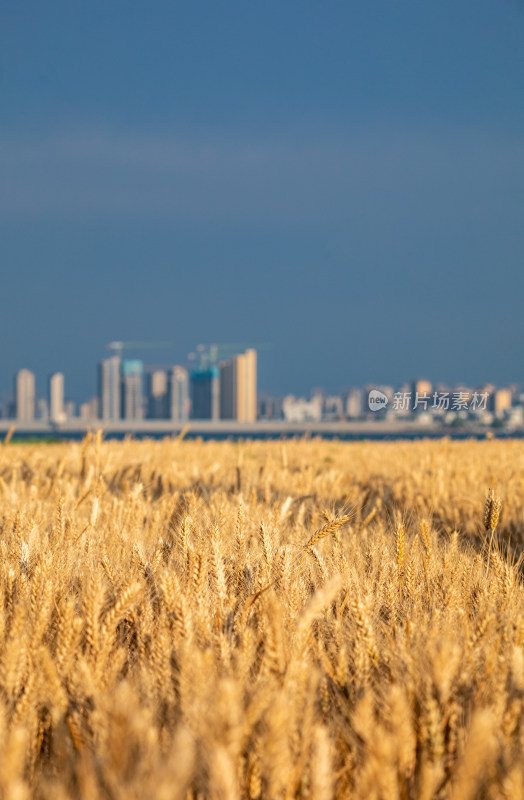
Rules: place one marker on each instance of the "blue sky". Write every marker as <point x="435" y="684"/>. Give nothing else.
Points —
<point x="343" y="180"/>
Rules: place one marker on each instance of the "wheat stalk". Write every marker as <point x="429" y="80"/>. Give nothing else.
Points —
<point x="235" y="660"/>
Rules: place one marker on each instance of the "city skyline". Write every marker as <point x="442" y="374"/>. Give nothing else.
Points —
<point x="228" y="389"/>
<point x="129" y="390"/>
<point x="203" y="353"/>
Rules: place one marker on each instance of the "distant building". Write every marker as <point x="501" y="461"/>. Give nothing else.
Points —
<point x="333" y="407"/>
<point x="514" y="416"/>
<point x="157" y="395"/>
<point x="42" y="410"/>
<point x="168" y="394"/>
<point x="269" y="408"/>
<point x="354" y="403"/>
<point x="56" y="398"/>
<point x="227" y="390"/>
<point x="89" y="410"/>
<point x="238" y="387"/>
<point x="178" y="394"/>
<point x="94" y="407"/>
<point x="421" y="398"/>
<point x="205" y="393"/>
<point x="25" y="395"/>
<point x="248" y="405"/>
<point x="132" y="392"/>
<point x="500" y="401"/>
<point x="109" y="393"/>
<point x="301" y="410"/>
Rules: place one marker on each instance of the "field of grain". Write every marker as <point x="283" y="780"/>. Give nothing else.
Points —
<point x="304" y="619"/>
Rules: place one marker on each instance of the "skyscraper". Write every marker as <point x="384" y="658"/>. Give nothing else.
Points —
<point x="227" y="390"/>
<point x="132" y="393"/>
<point x="56" y="398"/>
<point x="238" y="387"/>
<point x="205" y="393"/>
<point x="157" y="395"/>
<point x="25" y="395"/>
<point x="109" y="398"/>
<point x="178" y="394"/>
<point x="250" y="386"/>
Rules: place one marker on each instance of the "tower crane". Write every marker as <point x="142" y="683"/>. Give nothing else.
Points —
<point x="210" y="354"/>
<point x="118" y="347"/>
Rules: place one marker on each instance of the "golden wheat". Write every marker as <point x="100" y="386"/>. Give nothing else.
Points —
<point x="185" y="620"/>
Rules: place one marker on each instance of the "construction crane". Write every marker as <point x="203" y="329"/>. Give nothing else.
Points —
<point x="210" y="354"/>
<point x="119" y="347"/>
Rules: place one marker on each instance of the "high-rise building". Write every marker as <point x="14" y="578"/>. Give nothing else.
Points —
<point x="227" y="390"/>
<point x="500" y="400"/>
<point x="109" y="395"/>
<point x="157" y="395"/>
<point x="355" y="403"/>
<point x="132" y="395"/>
<point x="205" y="393"/>
<point x="250" y="386"/>
<point x="56" y="398"/>
<point x="25" y="395"/>
<point x="238" y="387"/>
<point x="178" y="394"/>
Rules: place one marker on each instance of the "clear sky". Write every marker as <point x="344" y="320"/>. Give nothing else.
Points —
<point x="342" y="180"/>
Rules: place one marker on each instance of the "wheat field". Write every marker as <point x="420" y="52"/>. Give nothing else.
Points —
<point x="301" y="619"/>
